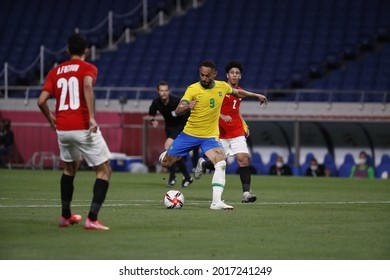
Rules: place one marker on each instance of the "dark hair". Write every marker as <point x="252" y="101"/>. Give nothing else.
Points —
<point x="77" y="44"/>
<point x="233" y="64"/>
<point x="162" y="83"/>
<point x="363" y="153"/>
<point x="208" y="63"/>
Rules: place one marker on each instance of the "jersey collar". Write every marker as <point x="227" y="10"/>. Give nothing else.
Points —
<point x="208" y="88"/>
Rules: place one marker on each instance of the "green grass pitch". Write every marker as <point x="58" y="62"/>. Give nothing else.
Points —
<point x="293" y="218"/>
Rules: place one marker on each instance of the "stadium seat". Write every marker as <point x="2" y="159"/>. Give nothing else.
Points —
<point x="291" y="161"/>
<point x="384" y="166"/>
<point x="330" y="164"/>
<point x="346" y="166"/>
<point x="306" y="164"/>
<point x="350" y="52"/>
<point x="232" y="166"/>
<point x="271" y="161"/>
<point x="257" y="162"/>
<point x="370" y="161"/>
<point x="345" y="170"/>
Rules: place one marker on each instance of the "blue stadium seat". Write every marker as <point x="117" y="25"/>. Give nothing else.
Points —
<point x="271" y="161"/>
<point x="384" y="166"/>
<point x="306" y="164"/>
<point x="291" y="161"/>
<point x="346" y="166"/>
<point x="330" y="164"/>
<point x="232" y="168"/>
<point x="257" y="162"/>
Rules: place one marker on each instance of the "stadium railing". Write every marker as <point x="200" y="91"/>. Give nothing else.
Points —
<point x="105" y="36"/>
<point x="143" y="93"/>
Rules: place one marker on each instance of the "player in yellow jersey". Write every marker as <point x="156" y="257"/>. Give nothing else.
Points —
<point x="204" y="99"/>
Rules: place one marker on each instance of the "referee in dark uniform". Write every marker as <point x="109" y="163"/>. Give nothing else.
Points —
<point x="166" y="105"/>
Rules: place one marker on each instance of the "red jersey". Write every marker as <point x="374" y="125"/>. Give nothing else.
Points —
<point x="65" y="83"/>
<point x="235" y="128"/>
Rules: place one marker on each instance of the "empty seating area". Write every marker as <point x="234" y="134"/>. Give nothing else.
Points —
<point x="28" y="25"/>
<point x="277" y="41"/>
<point x="319" y="44"/>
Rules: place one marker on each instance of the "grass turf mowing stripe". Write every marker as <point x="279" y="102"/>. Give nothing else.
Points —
<point x="149" y="202"/>
<point x="295" y="218"/>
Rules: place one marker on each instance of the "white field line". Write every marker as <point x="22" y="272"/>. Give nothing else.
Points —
<point x="32" y="203"/>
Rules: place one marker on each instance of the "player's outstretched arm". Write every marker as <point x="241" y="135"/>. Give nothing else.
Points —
<point x="244" y="93"/>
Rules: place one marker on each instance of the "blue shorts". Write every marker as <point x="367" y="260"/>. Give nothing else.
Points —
<point x="185" y="143"/>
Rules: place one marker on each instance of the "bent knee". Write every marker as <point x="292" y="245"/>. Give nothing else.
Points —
<point x="243" y="163"/>
<point x="220" y="164"/>
<point x="104" y="171"/>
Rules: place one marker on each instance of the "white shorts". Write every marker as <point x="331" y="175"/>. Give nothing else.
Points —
<point x="76" y="143"/>
<point x="233" y="146"/>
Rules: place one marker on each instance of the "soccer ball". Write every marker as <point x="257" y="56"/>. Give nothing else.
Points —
<point x="173" y="199"/>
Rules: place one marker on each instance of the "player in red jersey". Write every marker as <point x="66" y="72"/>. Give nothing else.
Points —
<point x="71" y="84"/>
<point x="232" y="133"/>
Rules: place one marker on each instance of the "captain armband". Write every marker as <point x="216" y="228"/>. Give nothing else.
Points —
<point x="246" y="127"/>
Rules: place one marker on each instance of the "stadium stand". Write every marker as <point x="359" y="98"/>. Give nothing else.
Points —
<point x="342" y="46"/>
<point x="24" y="24"/>
<point x="279" y="42"/>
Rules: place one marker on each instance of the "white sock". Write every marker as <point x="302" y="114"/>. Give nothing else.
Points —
<point x="217" y="194"/>
<point x="218" y="181"/>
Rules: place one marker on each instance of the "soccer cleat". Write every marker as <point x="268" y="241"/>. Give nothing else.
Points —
<point x="187" y="183"/>
<point x="74" y="219"/>
<point x="94" y="225"/>
<point x="199" y="169"/>
<point x="161" y="157"/>
<point x="248" y="197"/>
<point x="220" y="206"/>
<point x="171" y="183"/>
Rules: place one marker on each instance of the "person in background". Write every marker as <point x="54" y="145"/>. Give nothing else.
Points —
<point x="362" y="169"/>
<point x="166" y="104"/>
<point x="6" y="136"/>
<point x="280" y="168"/>
<point x="316" y="170"/>
<point x="6" y="139"/>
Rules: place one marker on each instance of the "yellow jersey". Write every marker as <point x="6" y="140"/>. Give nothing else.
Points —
<point x="203" y="121"/>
